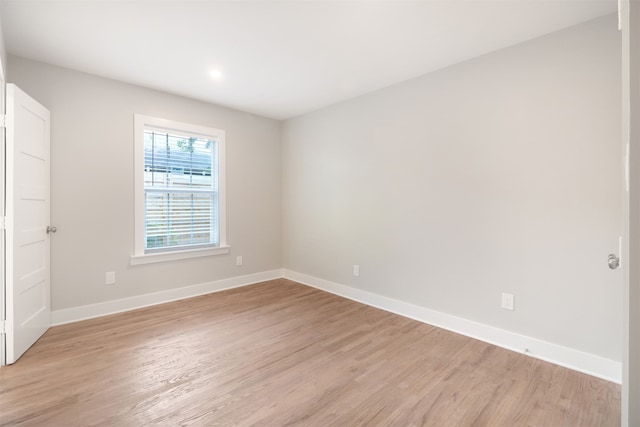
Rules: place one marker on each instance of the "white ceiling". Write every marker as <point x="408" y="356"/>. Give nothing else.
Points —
<point x="279" y="59"/>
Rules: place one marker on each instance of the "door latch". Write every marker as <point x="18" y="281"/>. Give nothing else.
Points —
<point x="614" y="261"/>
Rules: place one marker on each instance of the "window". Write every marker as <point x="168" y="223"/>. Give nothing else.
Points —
<point x="179" y="190"/>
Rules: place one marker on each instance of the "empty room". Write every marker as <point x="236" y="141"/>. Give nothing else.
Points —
<point x="320" y="213"/>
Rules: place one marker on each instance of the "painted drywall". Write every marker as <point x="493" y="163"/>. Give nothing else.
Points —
<point x="499" y="174"/>
<point x="92" y="185"/>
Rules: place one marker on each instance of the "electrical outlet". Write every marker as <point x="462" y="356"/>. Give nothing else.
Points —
<point x="110" y="278"/>
<point x="356" y="270"/>
<point x="508" y="301"/>
<point x="239" y="260"/>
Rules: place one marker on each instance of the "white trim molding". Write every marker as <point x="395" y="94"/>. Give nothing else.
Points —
<point x="75" y="314"/>
<point x="217" y="189"/>
<point x="177" y="255"/>
<point x="577" y="360"/>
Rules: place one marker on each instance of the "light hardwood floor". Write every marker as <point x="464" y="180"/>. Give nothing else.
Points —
<point x="278" y="354"/>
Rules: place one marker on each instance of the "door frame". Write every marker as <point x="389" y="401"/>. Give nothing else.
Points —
<point x="3" y="307"/>
<point x="630" y="26"/>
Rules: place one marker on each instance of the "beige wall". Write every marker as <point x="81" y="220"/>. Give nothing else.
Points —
<point x="500" y="174"/>
<point x="92" y="185"/>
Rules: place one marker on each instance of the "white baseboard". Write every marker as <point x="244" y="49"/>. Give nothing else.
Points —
<point x="587" y="363"/>
<point x="591" y="364"/>
<point x="69" y="315"/>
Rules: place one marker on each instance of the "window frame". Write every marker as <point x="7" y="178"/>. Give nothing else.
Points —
<point x="142" y="122"/>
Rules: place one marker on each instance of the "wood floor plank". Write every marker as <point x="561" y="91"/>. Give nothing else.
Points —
<point x="283" y="354"/>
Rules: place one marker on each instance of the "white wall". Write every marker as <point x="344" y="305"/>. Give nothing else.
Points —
<point x="500" y="174"/>
<point x="92" y="185"/>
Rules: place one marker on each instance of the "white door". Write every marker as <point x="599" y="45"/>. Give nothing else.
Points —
<point x="28" y="283"/>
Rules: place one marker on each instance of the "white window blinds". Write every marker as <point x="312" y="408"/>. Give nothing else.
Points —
<point x="181" y="204"/>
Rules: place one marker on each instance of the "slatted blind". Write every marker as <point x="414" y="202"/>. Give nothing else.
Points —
<point x="180" y="191"/>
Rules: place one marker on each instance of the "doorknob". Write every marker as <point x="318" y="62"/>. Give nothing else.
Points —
<point x="614" y="261"/>
<point x="51" y="229"/>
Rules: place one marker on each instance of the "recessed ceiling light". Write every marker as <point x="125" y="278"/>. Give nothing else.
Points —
<point x="215" y="74"/>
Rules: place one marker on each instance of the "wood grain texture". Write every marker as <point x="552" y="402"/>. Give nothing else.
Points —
<point x="283" y="354"/>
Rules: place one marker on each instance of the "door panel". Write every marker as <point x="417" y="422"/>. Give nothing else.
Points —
<point x="28" y="283"/>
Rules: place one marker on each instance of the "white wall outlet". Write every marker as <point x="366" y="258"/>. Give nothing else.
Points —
<point x="110" y="278"/>
<point x="508" y="301"/>
<point x="356" y="270"/>
<point x="239" y="260"/>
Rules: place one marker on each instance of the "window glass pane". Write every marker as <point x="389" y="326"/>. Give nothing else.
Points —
<point x="179" y="161"/>
<point x="180" y="182"/>
<point x="179" y="219"/>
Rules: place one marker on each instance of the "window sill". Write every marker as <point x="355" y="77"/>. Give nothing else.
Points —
<point x="177" y="255"/>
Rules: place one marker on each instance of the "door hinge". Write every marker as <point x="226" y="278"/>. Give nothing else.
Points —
<point x="620" y="6"/>
<point x="5" y="326"/>
<point x="626" y="168"/>
<point x="3" y="120"/>
<point x="3" y="222"/>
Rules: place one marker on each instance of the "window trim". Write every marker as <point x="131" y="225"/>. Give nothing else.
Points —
<point x="139" y="256"/>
